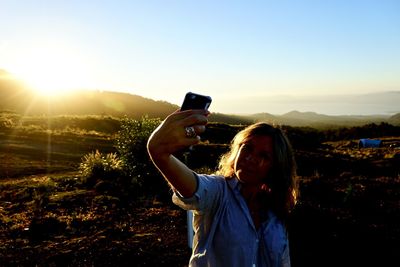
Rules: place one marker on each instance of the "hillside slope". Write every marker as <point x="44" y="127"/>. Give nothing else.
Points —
<point x="16" y="97"/>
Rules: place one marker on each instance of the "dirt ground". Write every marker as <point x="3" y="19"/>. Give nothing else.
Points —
<point x="91" y="230"/>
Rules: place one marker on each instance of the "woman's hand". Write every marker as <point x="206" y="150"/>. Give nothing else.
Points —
<point x="173" y="134"/>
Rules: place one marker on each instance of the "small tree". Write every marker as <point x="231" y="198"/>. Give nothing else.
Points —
<point x="131" y="145"/>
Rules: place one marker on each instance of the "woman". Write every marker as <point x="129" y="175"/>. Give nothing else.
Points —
<point x="239" y="214"/>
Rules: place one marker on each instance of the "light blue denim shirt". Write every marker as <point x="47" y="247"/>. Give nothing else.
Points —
<point x="225" y="234"/>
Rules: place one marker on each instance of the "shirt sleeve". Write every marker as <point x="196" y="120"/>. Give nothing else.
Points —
<point x="209" y="189"/>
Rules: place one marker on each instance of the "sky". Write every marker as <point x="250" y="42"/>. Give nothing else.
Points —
<point x="249" y="56"/>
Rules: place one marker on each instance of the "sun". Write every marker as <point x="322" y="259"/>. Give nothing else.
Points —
<point x="53" y="70"/>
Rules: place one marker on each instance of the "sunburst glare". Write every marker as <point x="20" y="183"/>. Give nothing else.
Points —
<point x="53" y="70"/>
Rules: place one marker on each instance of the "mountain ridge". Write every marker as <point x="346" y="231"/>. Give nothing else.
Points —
<point x="16" y="97"/>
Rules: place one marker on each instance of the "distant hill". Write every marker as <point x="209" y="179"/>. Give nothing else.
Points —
<point x="16" y="97"/>
<point x="312" y="119"/>
<point x="395" y="119"/>
<point x="386" y="102"/>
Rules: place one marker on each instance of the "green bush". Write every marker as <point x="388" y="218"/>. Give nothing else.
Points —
<point x="131" y="145"/>
<point x="6" y="123"/>
<point x="97" y="166"/>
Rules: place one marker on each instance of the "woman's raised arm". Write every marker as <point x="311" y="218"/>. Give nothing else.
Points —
<point x="172" y="136"/>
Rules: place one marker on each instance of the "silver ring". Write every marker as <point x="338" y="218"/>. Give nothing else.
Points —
<point x="190" y="132"/>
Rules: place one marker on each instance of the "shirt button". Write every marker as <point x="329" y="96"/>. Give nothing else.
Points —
<point x="257" y="240"/>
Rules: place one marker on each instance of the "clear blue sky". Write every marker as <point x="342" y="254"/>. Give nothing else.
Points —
<point x="232" y="50"/>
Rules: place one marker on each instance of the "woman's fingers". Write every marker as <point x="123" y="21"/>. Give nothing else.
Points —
<point x="188" y="113"/>
<point x="182" y="119"/>
<point x="195" y="119"/>
<point x="180" y="129"/>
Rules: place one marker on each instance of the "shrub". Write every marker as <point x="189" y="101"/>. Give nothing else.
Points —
<point x="6" y="123"/>
<point x="131" y="144"/>
<point x="97" y="167"/>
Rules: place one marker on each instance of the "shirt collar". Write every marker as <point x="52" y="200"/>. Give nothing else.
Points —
<point x="234" y="184"/>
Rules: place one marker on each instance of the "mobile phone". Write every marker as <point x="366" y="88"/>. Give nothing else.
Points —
<point x="196" y="101"/>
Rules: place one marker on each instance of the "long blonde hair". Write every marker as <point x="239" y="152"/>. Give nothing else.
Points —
<point x="282" y="179"/>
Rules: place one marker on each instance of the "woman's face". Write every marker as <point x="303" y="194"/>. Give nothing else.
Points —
<point x="254" y="160"/>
